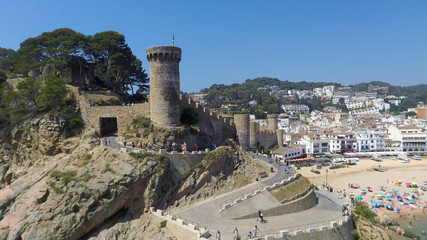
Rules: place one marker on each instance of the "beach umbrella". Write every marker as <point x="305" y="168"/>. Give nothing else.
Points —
<point x="395" y="191"/>
<point x="413" y="191"/>
<point x="408" y="183"/>
<point x="389" y="197"/>
<point x="368" y="187"/>
<point x="411" y="200"/>
<point x="359" y="197"/>
<point x="405" y="196"/>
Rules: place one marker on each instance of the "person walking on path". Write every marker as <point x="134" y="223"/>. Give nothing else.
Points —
<point x="236" y="234"/>
<point x="255" y="231"/>
<point x="124" y="142"/>
<point x="149" y="145"/>
<point x="218" y="236"/>
<point x="261" y="217"/>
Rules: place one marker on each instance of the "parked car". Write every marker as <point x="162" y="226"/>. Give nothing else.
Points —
<point x="406" y="160"/>
<point x="416" y="157"/>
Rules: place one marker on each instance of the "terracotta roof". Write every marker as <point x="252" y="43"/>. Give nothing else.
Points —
<point x="408" y="127"/>
<point x="421" y="113"/>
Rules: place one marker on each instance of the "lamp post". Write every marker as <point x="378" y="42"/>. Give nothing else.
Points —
<point x="327" y="179"/>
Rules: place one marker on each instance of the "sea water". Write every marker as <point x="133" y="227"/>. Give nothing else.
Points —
<point x="417" y="226"/>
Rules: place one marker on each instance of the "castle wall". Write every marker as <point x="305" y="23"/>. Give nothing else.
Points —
<point x="125" y="114"/>
<point x="272" y="122"/>
<point x="241" y="122"/>
<point x="279" y="133"/>
<point x="211" y="123"/>
<point x="267" y="138"/>
<point x="164" y="84"/>
<point x="253" y="132"/>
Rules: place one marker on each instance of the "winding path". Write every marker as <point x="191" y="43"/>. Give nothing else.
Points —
<point x="206" y="213"/>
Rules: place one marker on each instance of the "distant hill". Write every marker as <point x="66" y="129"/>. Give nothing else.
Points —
<point x="241" y="94"/>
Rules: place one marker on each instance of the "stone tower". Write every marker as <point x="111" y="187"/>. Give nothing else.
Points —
<point x="242" y="127"/>
<point x="164" y="84"/>
<point x="253" y="132"/>
<point x="279" y="133"/>
<point x="272" y="122"/>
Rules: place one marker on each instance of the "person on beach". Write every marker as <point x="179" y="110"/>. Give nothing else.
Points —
<point x="250" y="235"/>
<point x="218" y="236"/>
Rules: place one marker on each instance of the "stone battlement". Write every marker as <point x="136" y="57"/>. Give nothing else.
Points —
<point x="198" y="106"/>
<point x="161" y="53"/>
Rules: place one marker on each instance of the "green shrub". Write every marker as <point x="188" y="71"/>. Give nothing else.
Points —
<point x="86" y="177"/>
<point x="55" y="188"/>
<point x="162" y="159"/>
<point x="364" y="211"/>
<point x="141" y="122"/>
<point x="68" y="176"/>
<point x="140" y="156"/>
<point x="65" y="177"/>
<point x="355" y="233"/>
<point x="75" y="123"/>
<point x="199" y="165"/>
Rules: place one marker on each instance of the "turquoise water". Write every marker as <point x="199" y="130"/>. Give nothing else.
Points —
<point x="417" y="226"/>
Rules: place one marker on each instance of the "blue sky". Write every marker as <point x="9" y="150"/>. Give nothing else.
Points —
<point x="226" y="42"/>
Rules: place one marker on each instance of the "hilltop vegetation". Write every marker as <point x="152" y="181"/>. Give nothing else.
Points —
<point x="51" y="60"/>
<point x="241" y="94"/>
<point x="105" y="57"/>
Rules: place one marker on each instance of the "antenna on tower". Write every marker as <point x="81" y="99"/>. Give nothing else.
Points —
<point x="173" y="39"/>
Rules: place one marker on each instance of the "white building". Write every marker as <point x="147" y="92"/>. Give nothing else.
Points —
<point x="284" y="153"/>
<point x="370" y="140"/>
<point x="412" y="138"/>
<point x="314" y="144"/>
<point x="294" y="109"/>
<point x="342" y="142"/>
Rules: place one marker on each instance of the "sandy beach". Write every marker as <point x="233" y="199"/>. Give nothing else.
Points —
<point x="365" y="176"/>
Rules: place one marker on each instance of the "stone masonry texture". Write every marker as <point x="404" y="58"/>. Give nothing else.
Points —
<point x="164" y="84"/>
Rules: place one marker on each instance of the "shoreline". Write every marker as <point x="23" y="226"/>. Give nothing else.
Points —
<point x="364" y="175"/>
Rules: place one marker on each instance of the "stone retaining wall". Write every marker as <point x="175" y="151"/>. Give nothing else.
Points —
<point x="303" y="203"/>
<point x="258" y="191"/>
<point x="200" y="233"/>
<point x="335" y="230"/>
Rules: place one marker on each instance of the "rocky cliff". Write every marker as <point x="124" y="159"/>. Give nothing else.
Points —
<point x="60" y="185"/>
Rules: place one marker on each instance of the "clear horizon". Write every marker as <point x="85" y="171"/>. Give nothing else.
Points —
<point x="227" y="42"/>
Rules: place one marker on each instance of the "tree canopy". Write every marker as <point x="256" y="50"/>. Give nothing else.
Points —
<point x="105" y="55"/>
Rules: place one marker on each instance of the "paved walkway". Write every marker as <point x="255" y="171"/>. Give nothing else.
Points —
<point x="207" y="213"/>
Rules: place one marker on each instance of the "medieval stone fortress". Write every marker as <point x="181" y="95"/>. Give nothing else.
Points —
<point x="212" y="183"/>
<point x="165" y="105"/>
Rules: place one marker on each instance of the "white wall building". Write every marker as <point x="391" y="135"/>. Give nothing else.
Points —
<point x="370" y="140"/>
<point x="314" y="144"/>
